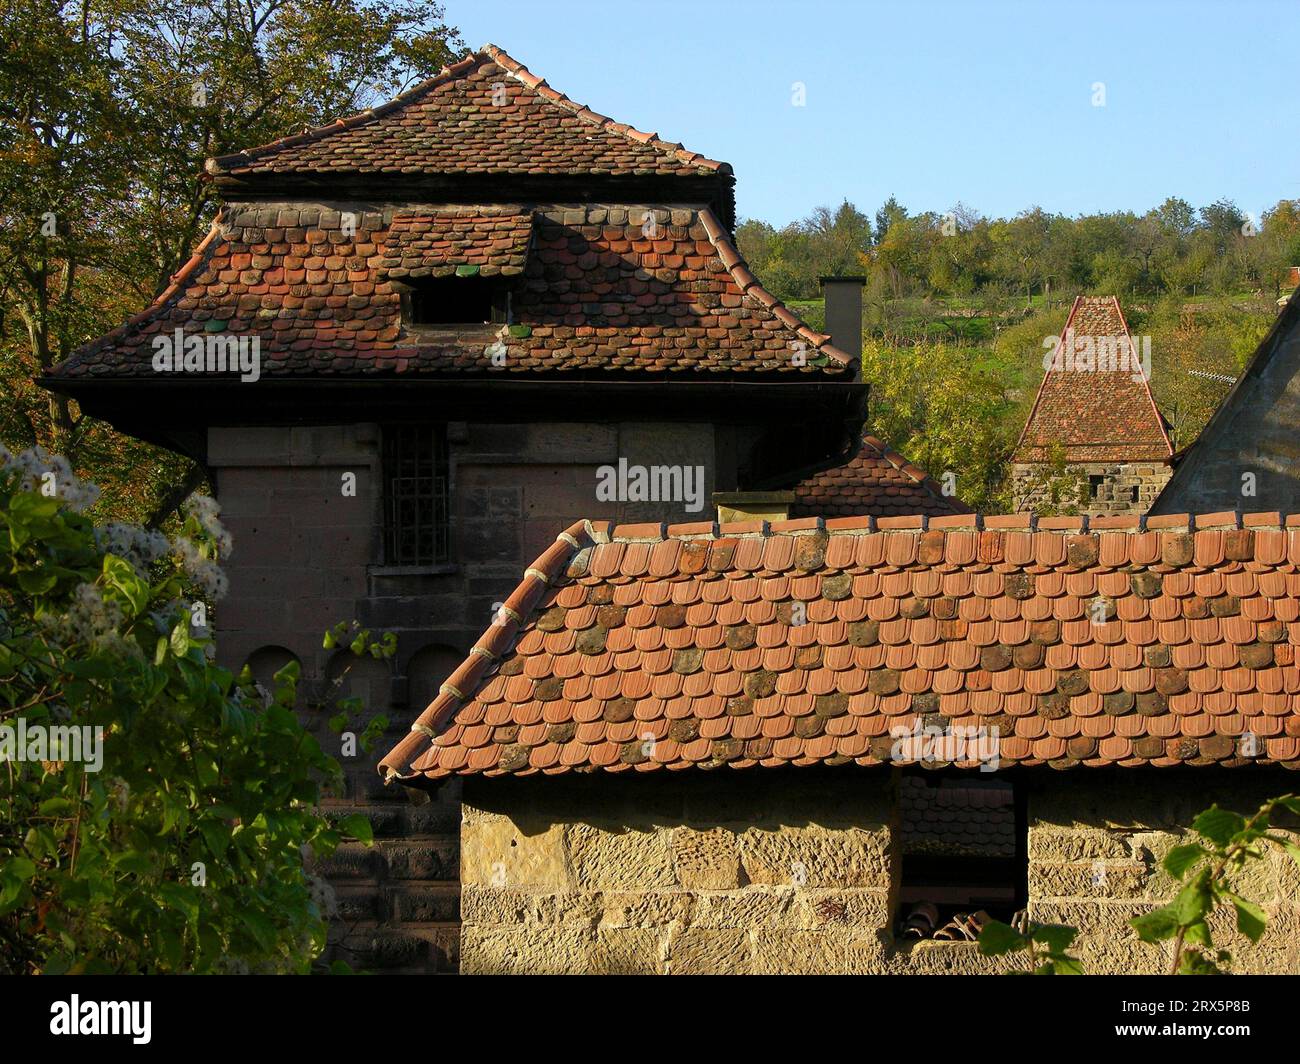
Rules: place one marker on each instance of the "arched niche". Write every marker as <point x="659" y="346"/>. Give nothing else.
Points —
<point x="428" y="668"/>
<point x="265" y="662"/>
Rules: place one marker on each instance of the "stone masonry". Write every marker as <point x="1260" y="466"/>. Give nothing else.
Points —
<point x="308" y="556"/>
<point x="1097" y="489"/>
<point x="766" y="871"/>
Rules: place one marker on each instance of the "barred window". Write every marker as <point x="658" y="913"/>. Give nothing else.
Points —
<point x="415" y="495"/>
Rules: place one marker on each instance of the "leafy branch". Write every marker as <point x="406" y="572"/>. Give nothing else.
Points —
<point x="1206" y="868"/>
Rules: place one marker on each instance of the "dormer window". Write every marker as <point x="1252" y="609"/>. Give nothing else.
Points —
<point x="454" y="266"/>
<point x="435" y="301"/>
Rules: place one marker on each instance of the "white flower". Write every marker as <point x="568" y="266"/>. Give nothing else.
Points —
<point x="89" y="616"/>
<point x="40" y="471"/>
<point x="206" y="510"/>
<point x="322" y="893"/>
<point x="203" y="571"/>
<point x="141" y="547"/>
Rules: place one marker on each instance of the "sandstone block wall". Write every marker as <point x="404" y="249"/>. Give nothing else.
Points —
<point x="1125" y="488"/>
<point x="1095" y="852"/>
<point x="307" y="556"/>
<point x="798" y="872"/>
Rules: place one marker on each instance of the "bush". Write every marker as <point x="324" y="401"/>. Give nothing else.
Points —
<point x="174" y="839"/>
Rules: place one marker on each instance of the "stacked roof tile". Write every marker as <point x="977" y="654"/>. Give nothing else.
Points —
<point x="487" y="114"/>
<point x="968" y="818"/>
<point x="632" y="649"/>
<point x="604" y="289"/>
<point x="876" y="482"/>
<point x="1094" y="401"/>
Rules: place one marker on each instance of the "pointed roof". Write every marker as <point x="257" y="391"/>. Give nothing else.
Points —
<point x="827" y="641"/>
<point x="1095" y="400"/>
<point x="1260" y="406"/>
<point x="486" y="114"/>
<point x="876" y="481"/>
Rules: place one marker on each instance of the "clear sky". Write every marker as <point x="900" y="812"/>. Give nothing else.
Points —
<point x="987" y="102"/>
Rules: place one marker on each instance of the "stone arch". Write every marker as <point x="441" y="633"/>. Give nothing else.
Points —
<point x="265" y="662"/>
<point x="425" y="672"/>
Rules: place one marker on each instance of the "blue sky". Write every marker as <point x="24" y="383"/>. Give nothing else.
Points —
<point x="987" y="103"/>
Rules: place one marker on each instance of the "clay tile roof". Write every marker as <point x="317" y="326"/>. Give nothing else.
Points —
<point x="478" y="240"/>
<point x="871" y="640"/>
<point x="604" y="288"/>
<point x="1094" y="400"/>
<point x="487" y="114"/>
<point x="876" y="481"/>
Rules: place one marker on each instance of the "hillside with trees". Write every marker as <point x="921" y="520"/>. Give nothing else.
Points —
<point x="957" y="307"/>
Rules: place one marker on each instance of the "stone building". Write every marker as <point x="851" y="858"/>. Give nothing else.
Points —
<point x="1095" y="442"/>
<point x="710" y="748"/>
<point x="482" y="309"/>
<point x="1248" y="456"/>
<point x="465" y="317"/>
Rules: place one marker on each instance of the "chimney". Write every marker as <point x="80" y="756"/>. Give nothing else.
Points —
<point x="844" y="312"/>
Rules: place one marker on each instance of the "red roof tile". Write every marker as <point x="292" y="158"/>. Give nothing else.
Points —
<point x="484" y="240"/>
<point x="604" y="289"/>
<point x="876" y="482"/>
<point x="487" y="114"/>
<point x="818" y="643"/>
<point x="1091" y="401"/>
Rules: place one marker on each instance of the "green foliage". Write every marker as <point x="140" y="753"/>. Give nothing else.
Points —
<point x="945" y="408"/>
<point x="1170" y="249"/>
<point x="1206" y="869"/>
<point x="183" y="849"/>
<point x="1044" y="945"/>
<point x="790" y="260"/>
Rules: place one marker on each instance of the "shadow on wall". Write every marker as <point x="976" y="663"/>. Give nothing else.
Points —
<point x="427" y="669"/>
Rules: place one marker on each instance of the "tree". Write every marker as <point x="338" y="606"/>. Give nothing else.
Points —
<point x="154" y="811"/>
<point x="945" y="408"/>
<point x="891" y="211"/>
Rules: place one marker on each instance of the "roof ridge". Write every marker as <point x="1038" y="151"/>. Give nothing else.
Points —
<point x="1146" y="377"/>
<point x="1042" y="385"/>
<point x="220" y="164"/>
<point x="175" y="286"/>
<point x="651" y="532"/>
<point x="906" y="466"/>
<point x="502" y="58"/>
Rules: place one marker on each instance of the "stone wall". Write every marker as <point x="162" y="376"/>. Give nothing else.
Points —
<point x="777" y="871"/>
<point x="1248" y="457"/>
<point x="307" y="556"/>
<point x="1124" y="488"/>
